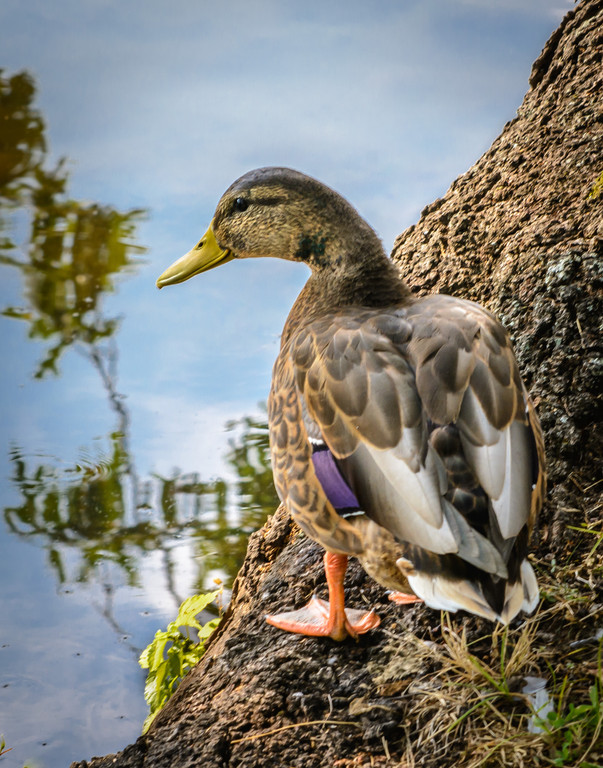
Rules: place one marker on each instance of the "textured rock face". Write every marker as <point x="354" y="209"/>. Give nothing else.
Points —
<point x="520" y="232"/>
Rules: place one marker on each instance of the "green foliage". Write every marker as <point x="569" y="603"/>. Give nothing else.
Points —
<point x="597" y="534"/>
<point x="574" y="730"/>
<point x="172" y="654"/>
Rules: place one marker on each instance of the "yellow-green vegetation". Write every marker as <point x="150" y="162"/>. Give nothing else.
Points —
<point x="173" y="653"/>
<point x="597" y="188"/>
<point x="3" y="748"/>
<point x="574" y="730"/>
<point x="474" y="702"/>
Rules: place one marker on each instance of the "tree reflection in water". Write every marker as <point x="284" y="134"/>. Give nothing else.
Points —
<point x="85" y="508"/>
<point x="100" y="509"/>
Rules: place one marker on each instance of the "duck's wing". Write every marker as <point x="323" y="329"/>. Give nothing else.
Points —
<point x="467" y="375"/>
<point x="375" y="383"/>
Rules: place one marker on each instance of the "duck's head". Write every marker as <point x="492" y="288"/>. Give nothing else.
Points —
<point x="282" y="213"/>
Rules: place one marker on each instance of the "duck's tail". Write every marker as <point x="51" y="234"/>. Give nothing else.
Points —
<point x="444" y="593"/>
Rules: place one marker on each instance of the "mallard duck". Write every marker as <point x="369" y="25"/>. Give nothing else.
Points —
<point x="401" y="432"/>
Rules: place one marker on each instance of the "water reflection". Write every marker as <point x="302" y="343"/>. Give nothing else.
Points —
<point x="223" y="514"/>
<point x="100" y="508"/>
<point x="22" y="141"/>
<point x="116" y="543"/>
<point x="74" y="250"/>
<point x="85" y="508"/>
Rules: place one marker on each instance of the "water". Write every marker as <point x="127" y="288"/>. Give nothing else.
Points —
<point x="122" y="490"/>
<point x="95" y="555"/>
<point x="93" y="559"/>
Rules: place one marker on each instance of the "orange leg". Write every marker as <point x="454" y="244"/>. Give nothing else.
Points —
<point x="320" y="618"/>
<point x="401" y="598"/>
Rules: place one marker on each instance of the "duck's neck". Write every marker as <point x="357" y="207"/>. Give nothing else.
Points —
<point x="373" y="282"/>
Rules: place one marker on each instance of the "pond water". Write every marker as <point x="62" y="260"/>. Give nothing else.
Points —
<point x="134" y="459"/>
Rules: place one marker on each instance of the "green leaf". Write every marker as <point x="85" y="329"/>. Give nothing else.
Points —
<point x="170" y="655"/>
<point x="148" y="720"/>
<point x="593" y="693"/>
<point x="192" y="606"/>
<point x="207" y="629"/>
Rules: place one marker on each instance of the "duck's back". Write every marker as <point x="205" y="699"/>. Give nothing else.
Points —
<point x="423" y="410"/>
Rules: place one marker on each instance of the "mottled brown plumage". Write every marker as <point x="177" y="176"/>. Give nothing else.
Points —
<point x="418" y="401"/>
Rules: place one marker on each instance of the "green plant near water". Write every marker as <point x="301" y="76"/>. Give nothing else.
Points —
<point x="172" y="653"/>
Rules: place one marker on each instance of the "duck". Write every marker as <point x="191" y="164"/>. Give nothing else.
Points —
<point x="401" y="432"/>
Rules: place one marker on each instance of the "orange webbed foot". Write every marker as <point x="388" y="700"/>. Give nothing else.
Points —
<point x="401" y="598"/>
<point x="320" y="618"/>
<point x="317" y="619"/>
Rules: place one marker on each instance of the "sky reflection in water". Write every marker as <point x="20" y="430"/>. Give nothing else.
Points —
<point x="119" y="491"/>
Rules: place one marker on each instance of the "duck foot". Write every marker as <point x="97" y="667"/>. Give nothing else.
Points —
<point x="316" y="620"/>
<point x="320" y="618"/>
<point x="401" y="598"/>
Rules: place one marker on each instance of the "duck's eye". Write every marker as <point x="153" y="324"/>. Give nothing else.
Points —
<point x="240" y="204"/>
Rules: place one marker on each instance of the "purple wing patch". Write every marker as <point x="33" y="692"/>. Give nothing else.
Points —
<point x="337" y="491"/>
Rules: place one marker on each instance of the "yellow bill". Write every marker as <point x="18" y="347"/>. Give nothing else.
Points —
<point x="207" y="254"/>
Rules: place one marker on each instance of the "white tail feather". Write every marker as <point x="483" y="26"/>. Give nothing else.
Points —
<point x="451" y="595"/>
